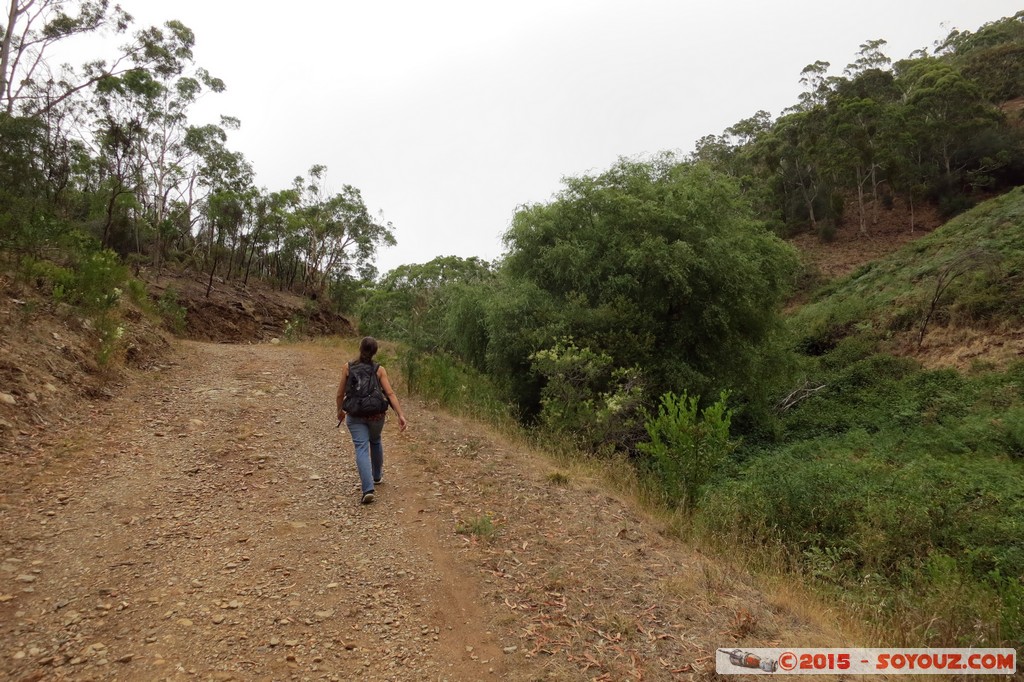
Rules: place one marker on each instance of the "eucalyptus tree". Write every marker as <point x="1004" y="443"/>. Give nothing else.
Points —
<point x="992" y="57"/>
<point x="797" y="151"/>
<point x="32" y="28"/>
<point x="946" y="112"/>
<point x="338" y="233"/>
<point x="152" y="105"/>
<point x="29" y="82"/>
<point x="858" y="112"/>
<point x="270" y="224"/>
<point x="227" y="178"/>
<point x="171" y="166"/>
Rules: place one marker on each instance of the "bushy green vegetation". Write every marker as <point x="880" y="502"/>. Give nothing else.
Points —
<point x="688" y="447"/>
<point x="94" y="285"/>
<point x="171" y="310"/>
<point x="891" y="479"/>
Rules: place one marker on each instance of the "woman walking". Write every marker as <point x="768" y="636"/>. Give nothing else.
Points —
<point x="364" y="396"/>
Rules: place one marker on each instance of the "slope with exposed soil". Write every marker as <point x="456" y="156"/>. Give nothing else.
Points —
<point x="238" y="312"/>
<point x="204" y="524"/>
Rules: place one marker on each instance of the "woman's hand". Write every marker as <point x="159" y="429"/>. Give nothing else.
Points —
<point x="402" y="423"/>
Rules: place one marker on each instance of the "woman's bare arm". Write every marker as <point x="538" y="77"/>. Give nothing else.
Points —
<point x="382" y="374"/>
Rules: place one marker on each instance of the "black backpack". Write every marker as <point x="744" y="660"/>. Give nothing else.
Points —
<point x="363" y="394"/>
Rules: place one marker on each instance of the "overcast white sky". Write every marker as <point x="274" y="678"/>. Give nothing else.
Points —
<point x="448" y="114"/>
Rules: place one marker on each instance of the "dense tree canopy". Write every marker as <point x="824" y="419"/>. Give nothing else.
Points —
<point x="660" y="265"/>
<point x="928" y="128"/>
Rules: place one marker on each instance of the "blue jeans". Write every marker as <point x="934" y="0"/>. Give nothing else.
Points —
<point x="369" y="448"/>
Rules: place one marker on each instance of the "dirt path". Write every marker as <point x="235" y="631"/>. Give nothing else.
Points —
<point x="205" y="524"/>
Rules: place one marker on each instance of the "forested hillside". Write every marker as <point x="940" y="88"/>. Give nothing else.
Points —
<point x="105" y="156"/>
<point x="637" y="317"/>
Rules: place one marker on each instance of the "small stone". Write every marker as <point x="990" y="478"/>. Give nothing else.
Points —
<point x="218" y="619"/>
<point x="26" y="578"/>
<point x="291" y="642"/>
<point x="127" y="658"/>
<point x="8" y="399"/>
<point x="510" y="649"/>
<point x="18" y="655"/>
<point x="274" y="641"/>
<point x="324" y="614"/>
<point x="185" y="622"/>
<point x="234" y="604"/>
<point x="275" y="341"/>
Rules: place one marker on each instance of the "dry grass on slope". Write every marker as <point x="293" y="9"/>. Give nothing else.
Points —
<point x="594" y="587"/>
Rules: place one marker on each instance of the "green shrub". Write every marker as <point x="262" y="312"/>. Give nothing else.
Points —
<point x="901" y="486"/>
<point x="93" y="283"/>
<point x="46" y="275"/>
<point x="138" y="293"/>
<point x="111" y="332"/>
<point x="687" y="451"/>
<point x="99" y="281"/>
<point x="586" y="399"/>
<point x="558" y="478"/>
<point x="1010" y="430"/>
<point x="172" y="312"/>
